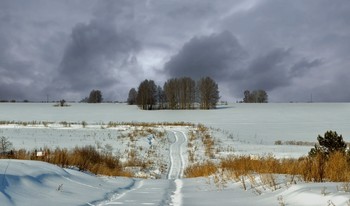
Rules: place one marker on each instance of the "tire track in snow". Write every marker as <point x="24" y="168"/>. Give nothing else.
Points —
<point x="156" y="192"/>
<point x="177" y="165"/>
<point x="134" y="185"/>
<point x="177" y="159"/>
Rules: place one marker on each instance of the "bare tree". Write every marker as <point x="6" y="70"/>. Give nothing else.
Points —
<point x="146" y="96"/>
<point x="62" y="102"/>
<point x="178" y="93"/>
<point x="170" y="91"/>
<point x="256" y="96"/>
<point x="132" y="96"/>
<point x="247" y="96"/>
<point x="5" y="144"/>
<point x="208" y="93"/>
<point x="161" y="98"/>
<point x="95" y="96"/>
<point x="187" y="92"/>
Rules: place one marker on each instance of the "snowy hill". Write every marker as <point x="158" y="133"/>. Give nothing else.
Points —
<point x="37" y="183"/>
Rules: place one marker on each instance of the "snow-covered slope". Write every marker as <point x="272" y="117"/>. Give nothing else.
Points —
<point x="199" y="191"/>
<point x="37" y="183"/>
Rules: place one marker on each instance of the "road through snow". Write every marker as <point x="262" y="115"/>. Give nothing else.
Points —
<point x="177" y="160"/>
<point x="177" y="165"/>
<point x="157" y="192"/>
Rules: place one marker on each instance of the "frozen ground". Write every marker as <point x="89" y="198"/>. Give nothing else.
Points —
<point x="238" y="129"/>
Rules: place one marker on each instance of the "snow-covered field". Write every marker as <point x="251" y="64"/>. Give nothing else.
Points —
<point x="237" y="129"/>
<point x="255" y="123"/>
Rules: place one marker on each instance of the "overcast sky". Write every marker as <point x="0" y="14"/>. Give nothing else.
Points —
<point x="291" y="48"/>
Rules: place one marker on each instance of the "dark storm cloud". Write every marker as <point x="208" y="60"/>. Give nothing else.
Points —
<point x="277" y="68"/>
<point x="99" y="54"/>
<point x="15" y="72"/>
<point x="315" y="30"/>
<point x="66" y="48"/>
<point x="222" y="57"/>
<point x="31" y="42"/>
<point x="216" y="55"/>
<point x="92" y="55"/>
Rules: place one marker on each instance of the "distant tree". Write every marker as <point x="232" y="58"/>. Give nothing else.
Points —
<point x="261" y="96"/>
<point x="84" y="100"/>
<point x="208" y="93"/>
<point x="132" y="96"/>
<point x="62" y="102"/>
<point x="95" y="96"/>
<point x="5" y="144"/>
<point x="160" y="97"/>
<point x="146" y="96"/>
<point x="247" y="96"/>
<point x="180" y="93"/>
<point x="170" y="91"/>
<point x="187" y="88"/>
<point x="256" y="96"/>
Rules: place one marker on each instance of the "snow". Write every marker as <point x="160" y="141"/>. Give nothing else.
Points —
<point x="198" y="191"/>
<point x="248" y="129"/>
<point x="253" y="123"/>
<point x="36" y="183"/>
<point x="177" y="159"/>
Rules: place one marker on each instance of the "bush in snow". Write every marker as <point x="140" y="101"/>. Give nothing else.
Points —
<point x="330" y="143"/>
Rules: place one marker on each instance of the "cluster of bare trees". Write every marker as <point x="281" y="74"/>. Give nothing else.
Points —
<point x="95" y="96"/>
<point x="177" y="93"/>
<point x="256" y="96"/>
<point x="146" y="96"/>
<point x="180" y="93"/>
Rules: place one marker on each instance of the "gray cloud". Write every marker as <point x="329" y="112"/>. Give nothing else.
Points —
<point x="277" y="68"/>
<point x="94" y="55"/>
<point x="99" y="54"/>
<point x="217" y="55"/>
<point x="221" y="56"/>
<point x="66" y="48"/>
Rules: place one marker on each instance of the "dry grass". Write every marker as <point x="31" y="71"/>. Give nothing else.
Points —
<point x="207" y="140"/>
<point x="84" y="158"/>
<point x="201" y="170"/>
<point x="336" y="168"/>
<point x="24" y="123"/>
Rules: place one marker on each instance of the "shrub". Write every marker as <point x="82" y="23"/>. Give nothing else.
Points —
<point x="83" y="124"/>
<point x="331" y="142"/>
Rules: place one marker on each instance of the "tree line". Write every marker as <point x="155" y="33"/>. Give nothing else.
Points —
<point x="176" y="93"/>
<point x="256" y="96"/>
